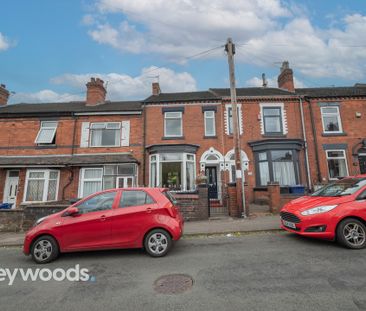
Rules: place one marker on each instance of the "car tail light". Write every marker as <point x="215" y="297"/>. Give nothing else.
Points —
<point x="172" y="210"/>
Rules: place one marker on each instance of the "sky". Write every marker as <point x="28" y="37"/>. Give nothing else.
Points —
<point x="49" y="49"/>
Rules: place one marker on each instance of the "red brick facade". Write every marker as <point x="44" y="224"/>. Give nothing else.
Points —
<point x="270" y="124"/>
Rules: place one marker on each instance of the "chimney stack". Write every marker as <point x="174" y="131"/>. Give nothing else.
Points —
<point x="156" y="88"/>
<point x="96" y="92"/>
<point x="286" y="78"/>
<point x="4" y="95"/>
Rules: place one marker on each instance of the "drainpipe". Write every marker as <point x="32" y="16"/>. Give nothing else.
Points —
<point x="315" y="141"/>
<point x="143" y="146"/>
<point x="71" y="178"/>
<point x="307" y="166"/>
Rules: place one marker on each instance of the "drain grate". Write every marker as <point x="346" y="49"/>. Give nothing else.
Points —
<point x="173" y="284"/>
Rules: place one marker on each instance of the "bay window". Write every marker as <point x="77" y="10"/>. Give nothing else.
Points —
<point x="277" y="165"/>
<point x="41" y="185"/>
<point x="175" y="171"/>
<point x="94" y="179"/>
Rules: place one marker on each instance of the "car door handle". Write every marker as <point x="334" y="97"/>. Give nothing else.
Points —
<point x="103" y="218"/>
<point x="148" y="210"/>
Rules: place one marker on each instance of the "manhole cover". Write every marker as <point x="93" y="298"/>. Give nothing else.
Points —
<point x="173" y="284"/>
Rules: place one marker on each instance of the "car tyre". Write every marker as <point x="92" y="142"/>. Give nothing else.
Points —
<point x="351" y="233"/>
<point x="44" y="249"/>
<point x="157" y="243"/>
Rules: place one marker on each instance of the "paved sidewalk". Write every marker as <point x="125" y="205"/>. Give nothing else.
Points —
<point x="205" y="227"/>
<point x="227" y="225"/>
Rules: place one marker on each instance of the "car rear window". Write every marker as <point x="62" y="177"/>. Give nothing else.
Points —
<point x="170" y="197"/>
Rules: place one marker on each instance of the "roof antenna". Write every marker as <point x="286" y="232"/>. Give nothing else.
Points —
<point x="264" y="80"/>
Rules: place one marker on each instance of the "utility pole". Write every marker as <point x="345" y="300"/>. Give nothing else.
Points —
<point x="239" y="172"/>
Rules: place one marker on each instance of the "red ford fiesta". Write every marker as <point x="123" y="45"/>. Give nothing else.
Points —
<point x="336" y="212"/>
<point x="117" y="218"/>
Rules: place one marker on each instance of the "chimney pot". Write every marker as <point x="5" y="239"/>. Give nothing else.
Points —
<point x="96" y="92"/>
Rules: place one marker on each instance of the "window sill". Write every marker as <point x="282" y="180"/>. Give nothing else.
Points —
<point x="46" y="146"/>
<point x="210" y="137"/>
<point x="334" y="134"/>
<point x="172" y="137"/>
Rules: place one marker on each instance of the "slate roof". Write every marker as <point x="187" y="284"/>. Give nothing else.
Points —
<point x="74" y="160"/>
<point x="252" y="91"/>
<point x="345" y="91"/>
<point x="183" y="96"/>
<point x="68" y="108"/>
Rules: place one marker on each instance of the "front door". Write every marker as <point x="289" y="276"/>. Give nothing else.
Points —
<point x="211" y="174"/>
<point x="125" y="182"/>
<point x="362" y="163"/>
<point x="11" y="187"/>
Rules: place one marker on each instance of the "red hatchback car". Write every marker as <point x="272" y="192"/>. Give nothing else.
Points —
<point x="111" y="219"/>
<point x="336" y="212"/>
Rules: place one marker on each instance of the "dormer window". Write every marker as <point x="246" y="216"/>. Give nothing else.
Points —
<point x="47" y="133"/>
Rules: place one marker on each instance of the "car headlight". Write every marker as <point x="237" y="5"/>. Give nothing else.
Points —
<point x="39" y="221"/>
<point x="318" y="210"/>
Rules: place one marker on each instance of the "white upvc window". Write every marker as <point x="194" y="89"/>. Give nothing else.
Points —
<point x="41" y="185"/>
<point x="331" y="119"/>
<point x="91" y="181"/>
<point x="176" y="171"/>
<point x="229" y="119"/>
<point x="105" y="134"/>
<point x="210" y="124"/>
<point x="47" y="132"/>
<point x="337" y="163"/>
<point x="173" y="125"/>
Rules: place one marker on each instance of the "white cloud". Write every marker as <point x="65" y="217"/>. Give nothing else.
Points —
<point x="271" y="82"/>
<point x="43" y="96"/>
<point x="4" y="42"/>
<point x="124" y="87"/>
<point x="119" y="86"/>
<point x="271" y="30"/>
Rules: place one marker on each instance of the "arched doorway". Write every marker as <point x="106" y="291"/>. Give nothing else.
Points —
<point x="230" y="163"/>
<point x="212" y="163"/>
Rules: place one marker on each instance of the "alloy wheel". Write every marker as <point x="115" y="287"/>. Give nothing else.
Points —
<point x="354" y="234"/>
<point x="42" y="250"/>
<point x="157" y="243"/>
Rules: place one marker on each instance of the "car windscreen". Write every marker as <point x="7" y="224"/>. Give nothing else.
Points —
<point x="346" y="186"/>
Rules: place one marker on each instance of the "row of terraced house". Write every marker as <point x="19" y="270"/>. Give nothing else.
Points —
<point x="299" y="138"/>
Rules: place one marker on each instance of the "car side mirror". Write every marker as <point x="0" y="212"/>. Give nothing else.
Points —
<point x="72" y="211"/>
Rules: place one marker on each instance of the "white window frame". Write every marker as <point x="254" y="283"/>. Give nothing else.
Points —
<point x="338" y="115"/>
<point x="46" y="185"/>
<point x="82" y="179"/>
<point x="45" y="127"/>
<point x="336" y="158"/>
<point x="105" y="124"/>
<point x="166" y="116"/>
<point x="184" y="168"/>
<point x="227" y="119"/>
<point x="213" y="117"/>
<point x="283" y="118"/>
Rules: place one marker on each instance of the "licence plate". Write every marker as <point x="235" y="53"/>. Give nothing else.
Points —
<point x="289" y="224"/>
